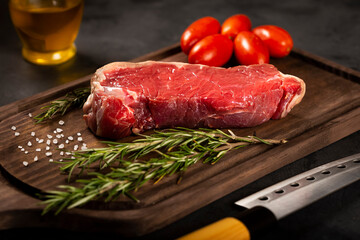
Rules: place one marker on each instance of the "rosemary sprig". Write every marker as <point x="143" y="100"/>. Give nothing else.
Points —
<point x="75" y="98"/>
<point x="123" y="180"/>
<point x="175" y="150"/>
<point x="213" y="144"/>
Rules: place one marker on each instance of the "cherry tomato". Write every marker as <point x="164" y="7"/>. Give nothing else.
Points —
<point x="250" y="49"/>
<point x="277" y="39"/>
<point x="198" y="30"/>
<point x="235" y="24"/>
<point x="214" y="50"/>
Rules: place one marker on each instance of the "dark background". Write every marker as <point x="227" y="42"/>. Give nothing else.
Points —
<point x="114" y="30"/>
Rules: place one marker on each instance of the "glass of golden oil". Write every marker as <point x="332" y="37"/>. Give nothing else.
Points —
<point x="47" y="28"/>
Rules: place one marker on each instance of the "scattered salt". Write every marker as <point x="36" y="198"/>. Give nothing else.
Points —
<point x="61" y="122"/>
<point x="26" y="152"/>
<point x="76" y="147"/>
<point x="16" y="134"/>
<point x="67" y="141"/>
<point x="60" y="160"/>
<point x="32" y="134"/>
<point x="37" y="139"/>
<point x="41" y="140"/>
<point x="55" y="131"/>
<point x="29" y="144"/>
<point x="22" y="149"/>
<point x="83" y="148"/>
<point x="47" y="148"/>
<point x="79" y="134"/>
<point x="49" y="136"/>
<point x="58" y="135"/>
<point x="36" y="158"/>
<point x="59" y="130"/>
<point x="48" y="154"/>
<point x="70" y="138"/>
<point x="38" y="150"/>
<point x="51" y="160"/>
<point x="80" y="139"/>
<point x="25" y="163"/>
<point x="30" y="115"/>
<point x="68" y="153"/>
<point x="13" y="128"/>
<point x="55" y="141"/>
<point x="20" y="146"/>
<point x="48" y="142"/>
<point x="62" y="153"/>
<point x="61" y="146"/>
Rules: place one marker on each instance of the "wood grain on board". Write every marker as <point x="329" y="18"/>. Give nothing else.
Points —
<point x="329" y="111"/>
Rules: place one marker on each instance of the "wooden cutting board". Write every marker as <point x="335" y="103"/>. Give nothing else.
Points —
<point x="329" y="111"/>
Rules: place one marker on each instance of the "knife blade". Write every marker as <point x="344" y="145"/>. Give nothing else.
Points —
<point x="266" y="207"/>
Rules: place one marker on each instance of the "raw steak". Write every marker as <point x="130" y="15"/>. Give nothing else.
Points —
<point x="133" y="97"/>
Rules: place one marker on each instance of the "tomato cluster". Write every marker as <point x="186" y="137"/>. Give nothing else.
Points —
<point x="208" y="42"/>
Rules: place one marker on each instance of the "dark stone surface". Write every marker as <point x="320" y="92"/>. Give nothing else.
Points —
<point x="121" y="30"/>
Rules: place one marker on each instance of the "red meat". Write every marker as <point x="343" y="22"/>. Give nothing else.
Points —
<point x="133" y="97"/>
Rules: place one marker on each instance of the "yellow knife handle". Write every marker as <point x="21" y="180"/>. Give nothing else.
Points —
<point x="250" y="223"/>
<point x="226" y="228"/>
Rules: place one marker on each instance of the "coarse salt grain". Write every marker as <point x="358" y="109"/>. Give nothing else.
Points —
<point x="68" y="153"/>
<point x="17" y="134"/>
<point x="13" y="128"/>
<point x="80" y="139"/>
<point x="55" y="131"/>
<point x="25" y="163"/>
<point x="41" y="140"/>
<point x="22" y="149"/>
<point x="49" y="136"/>
<point x="26" y="152"/>
<point x="37" y="139"/>
<point x="48" y="154"/>
<point x="67" y="141"/>
<point x="47" y="148"/>
<point x="79" y="134"/>
<point x="61" y="146"/>
<point x="76" y="147"/>
<point x="58" y="135"/>
<point x="61" y="122"/>
<point x="20" y="146"/>
<point x="29" y="144"/>
<point x="62" y="153"/>
<point x="83" y="148"/>
<point x="55" y="141"/>
<point x="30" y="115"/>
<point x="32" y="134"/>
<point x="48" y="142"/>
<point x="70" y="138"/>
<point x="51" y="160"/>
<point x="38" y="150"/>
<point x="59" y="130"/>
<point x="36" y="158"/>
<point x="60" y="160"/>
<point x="84" y="144"/>
<point x="62" y="135"/>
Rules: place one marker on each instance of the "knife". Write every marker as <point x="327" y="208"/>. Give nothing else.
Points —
<point x="266" y="207"/>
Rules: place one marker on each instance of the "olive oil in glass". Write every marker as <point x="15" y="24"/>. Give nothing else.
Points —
<point x="47" y="28"/>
